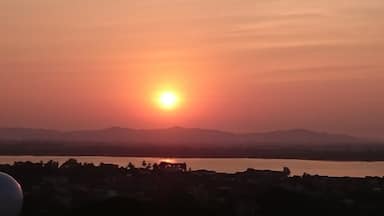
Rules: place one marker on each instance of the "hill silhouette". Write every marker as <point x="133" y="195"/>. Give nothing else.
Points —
<point x="177" y="135"/>
<point x="189" y="142"/>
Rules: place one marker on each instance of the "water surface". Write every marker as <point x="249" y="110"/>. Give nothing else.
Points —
<point x="230" y="165"/>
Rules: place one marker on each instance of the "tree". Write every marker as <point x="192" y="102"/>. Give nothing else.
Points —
<point x="286" y="171"/>
<point x="131" y="166"/>
<point x="71" y="163"/>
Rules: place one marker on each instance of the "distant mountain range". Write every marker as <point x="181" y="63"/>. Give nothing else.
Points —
<point x="176" y="135"/>
<point x="189" y="142"/>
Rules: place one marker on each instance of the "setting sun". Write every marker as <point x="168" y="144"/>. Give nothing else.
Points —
<point x="168" y="100"/>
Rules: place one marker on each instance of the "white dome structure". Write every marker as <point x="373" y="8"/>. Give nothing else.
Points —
<point x="11" y="196"/>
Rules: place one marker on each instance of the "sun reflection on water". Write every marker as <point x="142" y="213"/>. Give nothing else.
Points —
<point x="168" y="160"/>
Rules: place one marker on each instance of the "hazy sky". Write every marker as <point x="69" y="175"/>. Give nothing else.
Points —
<point x="250" y="65"/>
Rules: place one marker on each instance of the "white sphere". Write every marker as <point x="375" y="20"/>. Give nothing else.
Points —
<point x="11" y="196"/>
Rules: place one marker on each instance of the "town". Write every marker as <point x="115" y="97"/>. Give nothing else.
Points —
<point x="74" y="189"/>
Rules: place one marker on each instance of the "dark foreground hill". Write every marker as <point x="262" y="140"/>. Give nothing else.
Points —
<point x="75" y="189"/>
<point x="189" y="142"/>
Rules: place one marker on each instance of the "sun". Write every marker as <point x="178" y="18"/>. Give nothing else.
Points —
<point x="168" y="100"/>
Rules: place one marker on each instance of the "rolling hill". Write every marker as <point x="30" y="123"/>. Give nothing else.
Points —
<point x="176" y="135"/>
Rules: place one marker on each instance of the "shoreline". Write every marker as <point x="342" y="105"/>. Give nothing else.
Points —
<point x="188" y="157"/>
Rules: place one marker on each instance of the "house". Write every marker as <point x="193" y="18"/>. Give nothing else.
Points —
<point x="172" y="167"/>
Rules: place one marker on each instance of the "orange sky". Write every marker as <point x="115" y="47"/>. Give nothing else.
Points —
<point x="239" y="65"/>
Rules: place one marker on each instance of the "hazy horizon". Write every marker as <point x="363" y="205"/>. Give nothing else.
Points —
<point x="162" y="128"/>
<point x="241" y="67"/>
<point x="287" y="130"/>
